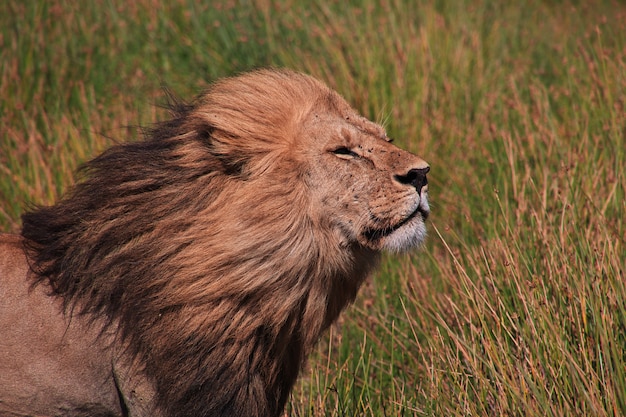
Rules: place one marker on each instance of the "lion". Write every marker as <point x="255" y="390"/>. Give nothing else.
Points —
<point x="191" y="272"/>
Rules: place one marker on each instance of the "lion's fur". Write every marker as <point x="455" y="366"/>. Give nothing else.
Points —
<point x="202" y="250"/>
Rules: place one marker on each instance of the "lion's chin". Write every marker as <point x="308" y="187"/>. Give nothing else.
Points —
<point x="409" y="236"/>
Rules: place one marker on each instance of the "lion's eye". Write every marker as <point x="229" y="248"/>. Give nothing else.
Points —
<point x="345" y="153"/>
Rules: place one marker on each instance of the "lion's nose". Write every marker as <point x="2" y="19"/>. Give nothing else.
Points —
<point x="415" y="177"/>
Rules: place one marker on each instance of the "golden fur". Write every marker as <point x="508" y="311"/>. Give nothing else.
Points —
<point x="189" y="274"/>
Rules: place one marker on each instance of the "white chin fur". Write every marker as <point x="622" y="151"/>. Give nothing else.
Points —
<point x="409" y="236"/>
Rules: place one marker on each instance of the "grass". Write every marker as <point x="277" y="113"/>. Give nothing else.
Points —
<point x="517" y="306"/>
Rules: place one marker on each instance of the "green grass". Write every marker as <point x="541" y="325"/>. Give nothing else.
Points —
<point x="517" y="305"/>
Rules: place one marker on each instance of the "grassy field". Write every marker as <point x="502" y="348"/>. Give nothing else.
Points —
<point x="517" y="305"/>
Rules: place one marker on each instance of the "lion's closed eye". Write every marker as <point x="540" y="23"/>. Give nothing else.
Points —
<point x="345" y="153"/>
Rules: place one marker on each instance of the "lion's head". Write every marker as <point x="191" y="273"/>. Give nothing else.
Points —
<point x="221" y="246"/>
<point x="358" y="185"/>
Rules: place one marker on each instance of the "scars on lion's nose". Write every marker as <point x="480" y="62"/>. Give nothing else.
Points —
<point x="415" y="177"/>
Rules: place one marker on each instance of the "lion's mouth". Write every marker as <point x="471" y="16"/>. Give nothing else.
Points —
<point x="376" y="234"/>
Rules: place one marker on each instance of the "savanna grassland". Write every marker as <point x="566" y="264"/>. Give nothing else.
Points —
<point x="517" y="304"/>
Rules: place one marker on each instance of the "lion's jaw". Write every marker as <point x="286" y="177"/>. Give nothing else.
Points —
<point x="411" y="232"/>
<point x="409" y="235"/>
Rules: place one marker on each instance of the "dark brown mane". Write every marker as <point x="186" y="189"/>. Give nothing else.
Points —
<point x="191" y="245"/>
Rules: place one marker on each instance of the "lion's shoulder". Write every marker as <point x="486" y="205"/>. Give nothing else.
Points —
<point x="12" y="258"/>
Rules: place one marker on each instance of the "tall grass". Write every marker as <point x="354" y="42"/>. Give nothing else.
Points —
<point x="516" y="306"/>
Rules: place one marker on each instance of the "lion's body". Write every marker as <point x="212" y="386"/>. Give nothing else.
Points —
<point x="191" y="273"/>
<point x="47" y="363"/>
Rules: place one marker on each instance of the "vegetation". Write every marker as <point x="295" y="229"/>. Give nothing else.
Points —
<point x="517" y="306"/>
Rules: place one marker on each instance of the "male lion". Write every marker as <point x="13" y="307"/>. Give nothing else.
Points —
<point x="189" y="274"/>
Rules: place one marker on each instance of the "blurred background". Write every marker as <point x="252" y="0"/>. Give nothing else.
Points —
<point x="517" y="304"/>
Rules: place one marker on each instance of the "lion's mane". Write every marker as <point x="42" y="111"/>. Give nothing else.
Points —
<point x="194" y="246"/>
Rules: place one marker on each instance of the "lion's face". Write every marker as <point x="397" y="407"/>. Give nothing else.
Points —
<point x="368" y="190"/>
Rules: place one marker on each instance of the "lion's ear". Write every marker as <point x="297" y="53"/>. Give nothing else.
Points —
<point x="197" y="144"/>
<point x="231" y="160"/>
<point x="232" y="165"/>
